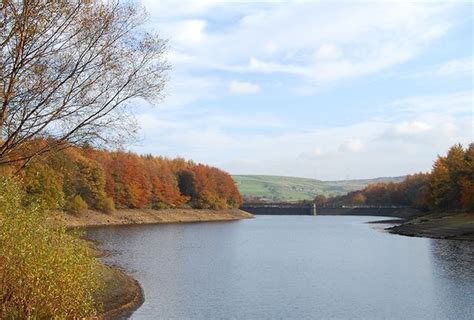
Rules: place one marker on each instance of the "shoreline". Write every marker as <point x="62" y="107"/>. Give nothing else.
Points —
<point x="122" y="294"/>
<point x="459" y="226"/>
<point x="90" y="218"/>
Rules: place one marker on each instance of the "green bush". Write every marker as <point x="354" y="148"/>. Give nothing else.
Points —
<point x="44" y="184"/>
<point x="76" y="204"/>
<point x="86" y="178"/>
<point x="44" y="272"/>
<point x="158" y="205"/>
<point x="105" y="204"/>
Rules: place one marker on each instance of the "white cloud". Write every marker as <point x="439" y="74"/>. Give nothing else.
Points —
<point x="187" y="32"/>
<point x="303" y="41"/>
<point x="455" y="67"/>
<point x="454" y="103"/>
<point x="183" y="90"/>
<point x="171" y="9"/>
<point x="308" y="44"/>
<point x="411" y="128"/>
<point x="328" y="51"/>
<point x="352" y="145"/>
<point x="317" y="152"/>
<point x="254" y="120"/>
<point x="271" y="47"/>
<point x="241" y="143"/>
<point x="238" y="87"/>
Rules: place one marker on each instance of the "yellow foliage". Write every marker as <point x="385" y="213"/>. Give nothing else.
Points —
<point x="45" y="273"/>
<point x="76" y="205"/>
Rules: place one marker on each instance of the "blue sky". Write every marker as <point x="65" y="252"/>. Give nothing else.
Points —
<point x="326" y="90"/>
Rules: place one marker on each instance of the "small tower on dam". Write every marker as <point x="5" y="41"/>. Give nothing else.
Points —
<point x="313" y="209"/>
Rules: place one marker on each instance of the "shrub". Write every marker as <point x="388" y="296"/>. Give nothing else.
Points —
<point x="44" y="271"/>
<point x="44" y="184"/>
<point x="76" y="204"/>
<point x="158" y="205"/>
<point x="105" y="204"/>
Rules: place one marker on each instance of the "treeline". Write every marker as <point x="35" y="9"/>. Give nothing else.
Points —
<point x="76" y="179"/>
<point x="449" y="186"/>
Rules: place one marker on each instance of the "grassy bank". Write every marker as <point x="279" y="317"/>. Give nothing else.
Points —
<point x="438" y="225"/>
<point x="148" y="216"/>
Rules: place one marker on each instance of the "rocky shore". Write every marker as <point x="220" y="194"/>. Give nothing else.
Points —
<point x="458" y="226"/>
<point x="121" y="294"/>
<point x="149" y="216"/>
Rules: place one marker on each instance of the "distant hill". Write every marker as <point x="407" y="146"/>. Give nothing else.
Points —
<point x="277" y="188"/>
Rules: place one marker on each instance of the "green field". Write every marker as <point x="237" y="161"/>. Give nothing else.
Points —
<point x="276" y="188"/>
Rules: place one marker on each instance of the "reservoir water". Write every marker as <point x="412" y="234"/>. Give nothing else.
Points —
<point x="292" y="267"/>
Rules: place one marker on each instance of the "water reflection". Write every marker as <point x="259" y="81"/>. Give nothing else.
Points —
<point x="453" y="258"/>
<point x="453" y="276"/>
<point x="292" y="267"/>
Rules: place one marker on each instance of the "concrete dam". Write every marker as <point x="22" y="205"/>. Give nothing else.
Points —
<point x="280" y="209"/>
<point x="310" y="209"/>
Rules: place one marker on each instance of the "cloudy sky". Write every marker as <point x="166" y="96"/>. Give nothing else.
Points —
<point x="326" y="90"/>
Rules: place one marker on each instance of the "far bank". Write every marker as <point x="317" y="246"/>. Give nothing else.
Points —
<point x="458" y="226"/>
<point x="91" y="218"/>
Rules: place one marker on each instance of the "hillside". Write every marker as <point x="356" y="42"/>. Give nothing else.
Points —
<point x="294" y="189"/>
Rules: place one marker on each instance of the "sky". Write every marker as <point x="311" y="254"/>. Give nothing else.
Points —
<point x="326" y="90"/>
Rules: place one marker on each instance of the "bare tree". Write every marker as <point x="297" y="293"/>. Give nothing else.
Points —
<point x="69" y="72"/>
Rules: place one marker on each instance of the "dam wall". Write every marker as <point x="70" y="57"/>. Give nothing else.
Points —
<point x="309" y="209"/>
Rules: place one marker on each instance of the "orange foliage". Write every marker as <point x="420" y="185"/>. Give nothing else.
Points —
<point x="165" y="190"/>
<point x="134" y="181"/>
<point x="216" y="189"/>
<point x="146" y="181"/>
<point x="449" y="186"/>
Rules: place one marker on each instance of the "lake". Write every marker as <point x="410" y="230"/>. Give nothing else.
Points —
<point x="292" y="267"/>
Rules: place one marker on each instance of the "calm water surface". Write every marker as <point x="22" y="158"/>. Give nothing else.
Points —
<point x="292" y="267"/>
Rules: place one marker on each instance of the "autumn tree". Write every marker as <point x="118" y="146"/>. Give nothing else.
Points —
<point x="84" y="179"/>
<point x="467" y="181"/>
<point x="359" y="198"/>
<point x="129" y="187"/>
<point x="69" y="71"/>
<point x="214" y="189"/>
<point x="187" y="183"/>
<point x="320" y="200"/>
<point x="44" y="184"/>
<point x="452" y="179"/>
<point x="165" y="190"/>
<point x="415" y="190"/>
<point x="449" y="186"/>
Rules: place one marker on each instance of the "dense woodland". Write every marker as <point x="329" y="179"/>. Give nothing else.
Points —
<point x="80" y="178"/>
<point x="448" y="187"/>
